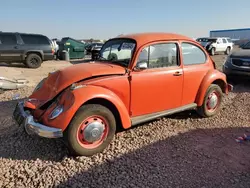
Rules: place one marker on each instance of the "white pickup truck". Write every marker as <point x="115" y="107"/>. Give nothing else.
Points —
<point x="216" y="44"/>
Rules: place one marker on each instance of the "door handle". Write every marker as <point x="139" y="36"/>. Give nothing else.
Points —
<point x="15" y="47"/>
<point x="177" y="73"/>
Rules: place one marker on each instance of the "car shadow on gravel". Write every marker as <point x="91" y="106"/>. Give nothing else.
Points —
<point x="199" y="158"/>
<point x="17" y="145"/>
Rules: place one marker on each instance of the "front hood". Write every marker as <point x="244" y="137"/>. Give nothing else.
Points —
<point x="243" y="53"/>
<point x="63" y="78"/>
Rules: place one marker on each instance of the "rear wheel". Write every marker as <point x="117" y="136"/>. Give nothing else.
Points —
<point x="33" y="61"/>
<point x="227" y="51"/>
<point x="212" y="101"/>
<point x="91" y="130"/>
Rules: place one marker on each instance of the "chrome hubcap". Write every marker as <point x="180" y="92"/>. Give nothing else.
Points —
<point x="213" y="100"/>
<point x="93" y="131"/>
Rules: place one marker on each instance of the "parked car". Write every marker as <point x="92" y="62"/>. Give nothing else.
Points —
<point x="92" y="46"/>
<point x="216" y="45"/>
<point x="95" y="52"/>
<point x="238" y="62"/>
<point x="137" y="78"/>
<point x="30" y="49"/>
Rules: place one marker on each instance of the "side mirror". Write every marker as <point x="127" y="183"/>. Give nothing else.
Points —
<point x="141" y="65"/>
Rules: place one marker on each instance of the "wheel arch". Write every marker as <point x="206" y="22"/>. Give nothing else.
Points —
<point x="220" y="83"/>
<point x="103" y="96"/>
<point x="34" y="52"/>
<point x="110" y="106"/>
<point x="212" y="77"/>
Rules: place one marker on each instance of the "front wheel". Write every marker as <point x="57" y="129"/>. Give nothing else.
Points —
<point x="91" y="130"/>
<point x="212" y="101"/>
<point x="212" y="52"/>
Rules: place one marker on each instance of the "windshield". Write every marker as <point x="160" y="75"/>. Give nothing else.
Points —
<point x="118" y="51"/>
<point x="206" y="40"/>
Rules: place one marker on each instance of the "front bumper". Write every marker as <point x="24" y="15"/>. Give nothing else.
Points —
<point x="232" y="72"/>
<point x="32" y="127"/>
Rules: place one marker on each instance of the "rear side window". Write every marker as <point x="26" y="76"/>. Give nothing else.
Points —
<point x="192" y="54"/>
<point x="34" y="39"/>
<point x="8" y="39"/>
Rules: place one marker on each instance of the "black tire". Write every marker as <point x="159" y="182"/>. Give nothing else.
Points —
<point x="212" y="52"/>
<point x="33" y="61"/>
<point x="72" y="131"/>
<point x="227" y="52"/>
<point x="203" y="109"/>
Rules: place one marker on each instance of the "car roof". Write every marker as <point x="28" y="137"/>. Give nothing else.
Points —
<point x="3" y="32"/>
<point x="143" y="38"/>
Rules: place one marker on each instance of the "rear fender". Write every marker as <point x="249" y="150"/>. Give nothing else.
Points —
<point x="86" y="93"/>
<point x="212" y="77"/>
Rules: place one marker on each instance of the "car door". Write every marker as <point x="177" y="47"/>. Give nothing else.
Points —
<point x="195" y="66"/>
<point x="219" y="45"/>
<point x="158" y="86"/>
<point x="9" y="47"/>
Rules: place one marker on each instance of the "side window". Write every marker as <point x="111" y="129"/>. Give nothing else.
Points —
<point x="8" y="39"/>
<point x="224" y="40"/>
<point x="159" y="55"/>
<point x="192" y="54"/>
<point x="33" y="39"/>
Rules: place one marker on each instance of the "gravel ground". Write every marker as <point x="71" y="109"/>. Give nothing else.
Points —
<point x="182" y="150"/>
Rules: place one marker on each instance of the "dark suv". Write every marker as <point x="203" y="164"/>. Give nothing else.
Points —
<point x="30" y="49"/>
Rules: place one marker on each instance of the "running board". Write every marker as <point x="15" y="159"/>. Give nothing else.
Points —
<point x="148" y="117"/>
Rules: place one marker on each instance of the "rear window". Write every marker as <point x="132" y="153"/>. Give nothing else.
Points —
<point x="35" y="39"/>
<point x="8" y="39"/>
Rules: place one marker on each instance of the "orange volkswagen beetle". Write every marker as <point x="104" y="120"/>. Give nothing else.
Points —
<point x="137" y="78"/>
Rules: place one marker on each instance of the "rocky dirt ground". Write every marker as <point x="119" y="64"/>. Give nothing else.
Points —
<point x="181" y="150"/>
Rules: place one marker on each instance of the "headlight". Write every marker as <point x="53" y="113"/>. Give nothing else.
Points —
<point x="56" y="112"/>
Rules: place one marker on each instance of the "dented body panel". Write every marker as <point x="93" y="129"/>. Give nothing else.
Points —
<point x="59" y="80"/>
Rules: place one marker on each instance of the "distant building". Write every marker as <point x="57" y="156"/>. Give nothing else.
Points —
<point x="234" y="34"/>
